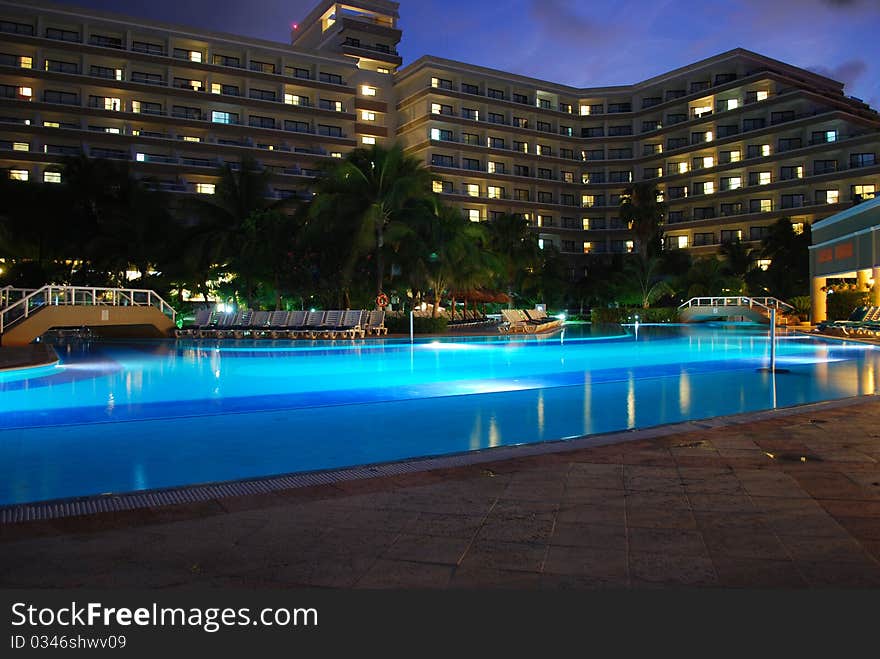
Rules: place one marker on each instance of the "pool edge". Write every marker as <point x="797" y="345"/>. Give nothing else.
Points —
<point x="54" y="509"/>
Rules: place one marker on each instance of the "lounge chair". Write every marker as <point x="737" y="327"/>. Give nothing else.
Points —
<point x="375" y="326"/>
<point x="218" y="321"/>
<point x="350" y="325"/>
<point x="203" y="317"/>
<point x="257" y="327"/>
<point x="327" y="330"/>
<point x="227" y="328"/>
<point x="541" y="320"/>
<point x="295" y="322"/>
<point x="312" y="327"/>
<point x="277" y="326"/>
<point x="516" y="322"/>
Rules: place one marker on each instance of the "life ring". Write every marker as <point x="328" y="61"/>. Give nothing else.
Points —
<point x="382" y="300"/>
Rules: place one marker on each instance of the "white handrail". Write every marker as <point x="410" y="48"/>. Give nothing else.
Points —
<point x="52" y="295"/>
<point x="765" y="303"/>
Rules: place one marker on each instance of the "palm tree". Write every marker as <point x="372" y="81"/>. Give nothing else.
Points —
<point x="643" y="214"/>
<point x="364" y="195"/>
<point x="649" y="282"/>
<point x="516" y="248"/>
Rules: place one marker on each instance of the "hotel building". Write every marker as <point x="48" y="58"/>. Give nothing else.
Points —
<point x="732" y="143"/>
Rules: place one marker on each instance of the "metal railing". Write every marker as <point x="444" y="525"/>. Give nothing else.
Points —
<point x="764" y="303"/>
<point x="34" y="300"/>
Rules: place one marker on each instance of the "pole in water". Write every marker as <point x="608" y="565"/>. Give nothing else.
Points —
<point x="772" y="340"/>
<point x="411" y="335"/>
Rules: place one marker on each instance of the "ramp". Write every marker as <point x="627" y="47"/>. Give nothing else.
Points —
<point x="131" y="312"/>
<point x="754" y="309"/>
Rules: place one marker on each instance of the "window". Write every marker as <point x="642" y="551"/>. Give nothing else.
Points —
<point x="567" y="131"/>
<point x="760" y="178"/>
<point x="262" y="67"/>
<point x="472" y="190"/>
<point x="676" y="118"/>
<point x="543" y="150"/>
<point x="72" y="67"/>
<point x="827" y="196"/>
<point x="437" y="108"/>
<point x="521" y="195"/>
<point x="441" y="83"/>
<point x="676" y="142"/>
<point x="470" y="138"/>
<point x="186" y="83"/>
<point x="21" y="146"/>
<point x="597" y="108"/>
<point x="545" y="197"/>
<point x="61" y="35"/>
<point x="297" y="72"/>
<point x="677" y="191"/>
<point x="652" y="172"/>
<point x="675" y="216"/>
<point x="619" y="107"/>
<point x="472" y="164"/>
<point x="470" y="113"/>
<point x="154" y="49"/>
<point x="205" y="188"/>
<point x="190" y="138"/>
<point x="565" y="107"/>
<point x="791" y="172"/>
<point x="495" y="142"/>
<point x="25" y="92"/>
<point x="19" y="174"/>
<point x="792" y="200"/>
<point x="704" y="187"/>
<point x="440" y="134"/>
<point x="700" y="86"/>
<point x="589" y="201"/>
<point x="297" y="126"/>
<point x="754" y="124"/>
<point x="704" y="162"/>
<point x="520" y="98"/>
<point x="651" y="101"/>
<point x="495" y="192"/>
<point x="219" y="117"/>
<point x="592" y="131"/>
<point x="677" y="242"/>
<point x="757" y="233"/>
<point x="567" y="177"/>
<point x="380" y="69"/>
<point x="729" y="156"/>
<point x="520" y="122"/>
<point x="862" y="191"/>
<point x="862" y="160"/>
<point x="367" y="139"/>
<point x="186" y="112"/>
<point x="545" y="173"/>
<point x="494" y="167"/>
<point x="823" y="136"/>
<point x="788" y="144"/>
<point x="757" y="150"/>
<point x="335" y="154"/>
<point x="620" y="154"/>
<point x="760" y="205"/>
<point x="703" y="136"/>
<point x="731" y="183"/>
<point x="332" y="78"/>
<point x="521" y="146"/>
<point x="824" y="166"/>
<point x="677" y="168"/>
<point x="51" y="177"/>
<point x="704" y="213"/>
<point x="470" y="89"/>
<point x="651" y="149"/>
<point x="472" y="214"/>
<point x="699" y="111"/>
<point x="293" y="99"/>
<point x="544" y="127"/>
<point x="755" y="96"/>
<point x="731" y="236"/>
<point x="496" y="118"/>
<point x="616" y="131"/>
<point x="495" y="93"/>
<point x="147" y="78"/>
<point x="727" y="130"/>
<point x="191" y="55"/>
<point x="366" y="90"/>
<point x="620" y="176"/>
<point x="701" y="239"/>
<point x="566" y="153"/>
<point x="521" y="170"/>
<point x="652" y="124"/>
<point x="728" y="104"/>
<point x="734" y="208"/>
<point x="782" y="116"/>
<point x="442" y="161"/>
<point x="261" y="122"/>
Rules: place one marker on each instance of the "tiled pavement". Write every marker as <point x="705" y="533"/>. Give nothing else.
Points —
<point x="708" y="507"/>
<point x="35" y="354"/>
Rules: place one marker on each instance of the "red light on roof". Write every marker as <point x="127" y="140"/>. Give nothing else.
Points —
<point x="294" y="26"/>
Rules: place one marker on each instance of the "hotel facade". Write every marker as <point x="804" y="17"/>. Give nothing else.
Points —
<point x="732" y="143"/>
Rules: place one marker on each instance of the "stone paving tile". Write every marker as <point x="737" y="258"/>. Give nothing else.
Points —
<point x="427" y="549"/>
<point x="499" y="555"/>
<point x="836" y="550"/>
<point x="534" y="529"/>
<point x="466" y="577"/>
<point x="660" y="518"/>
<point x="840" y="575"/>
<point x="393" y="574"/>
<point x="671" y="570"/>
<point x="444" y="525"/>
<point x="734" y="543"/>
<point x="592" y="514"/>
<point x="589" y="561"/>
<point x="673" y="541"/>
<point x="736" y="572"/>
<point x="598" y="536"/>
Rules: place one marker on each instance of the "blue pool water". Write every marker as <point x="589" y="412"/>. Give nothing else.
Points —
<point x="117" y="417"/>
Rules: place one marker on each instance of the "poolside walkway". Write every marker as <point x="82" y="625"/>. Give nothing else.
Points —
<point x="786" y="502"/>
<point x="35" y="354"/>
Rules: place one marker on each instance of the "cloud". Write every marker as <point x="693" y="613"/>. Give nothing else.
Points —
<point x="556" y="19"/>
<point x="847" y="72"/>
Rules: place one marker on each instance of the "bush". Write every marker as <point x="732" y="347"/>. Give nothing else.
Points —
<point x="841" y="303"/>
<point x="621" y="315"/>
<point x="802" y="305"/>
<point x="421" y="325"/>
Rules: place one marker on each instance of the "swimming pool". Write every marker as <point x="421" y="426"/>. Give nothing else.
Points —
<point x="119" y="417"/>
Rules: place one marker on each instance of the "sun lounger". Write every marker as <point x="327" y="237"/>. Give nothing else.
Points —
<point x="203" y="317"/>
<point x="349" y="325"/>
<point x="312" y="327"/>
<point x="277" y="326"/>
<point x="376" y="324"/>
<point x="295" y="322"/>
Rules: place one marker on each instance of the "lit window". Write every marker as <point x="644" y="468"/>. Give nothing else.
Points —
<point x="473" y="214"/>
<point x="140" y="157"/>
<point x="494" y="192"/>
<point x="21" y="146"/>
<point x="367" y="139"/>
<point x="735" y="156"/>
<point x="709" y="187"/>
<point x="437" y="186"/>
<point x="700" y="110"/>
<point x="797" y="227"/>
<point x="832" y="196"/>
<point x="765" y="149"/>
<point x="366" y="90"/>
<point x="586" y="223"/>
<point x="863" y="191"/>
<point x="290" y="99"/>
<point x="51" y="177"/>
<point x="25" y="62"/>
<point x="114" y="131"/>
<point x="136" y="106"/>
<point x="435" y="133"/>
<point x="588" y="200"/>
<point x="472" y="190"/>
<point x="114" y="104"/>
<point x="762" y="96"/>
<point x="221" y="117"/>
<point x="216" y="88"/>
<point x="681" y="241"/>
<point x="540" y="243"/>
<point x="119" y="74"/>
<point x="541" y="221"/>
<point x="765" y="205"/>
<point x="51" y="124"/>
<point x="588" y="247"/>
<point x="708" y="161"/>
<point x="336" y="154"/>
<point x="709" y="136"/>
<point x="382" y="70"/>
<point x="630" y="245"/>
<point x="734" y="183"/>
<point x="135" y="131"/>
<point x="195" y="85"/>
<point x="764" y="178"/>
<point x="19" y="174"/>
<point x="191" y="138"/>
<point x="195" y="56"/>
<point x="491" y="167"/>
<point x="366" y="115"/>
<point x="730" y="104"/>
<point x="25" y="92"/>
<point x="585" y="109"/>
<point x="763" y="264"/>
<point x="682" y="167"/>
<point x="205" y="188"/>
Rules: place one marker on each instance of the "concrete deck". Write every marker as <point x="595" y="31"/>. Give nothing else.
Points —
<point x="36" y="354"/>
<point x="786" y="502"/>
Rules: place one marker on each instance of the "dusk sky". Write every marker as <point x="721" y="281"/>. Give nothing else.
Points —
<point x="586" y="43"/>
